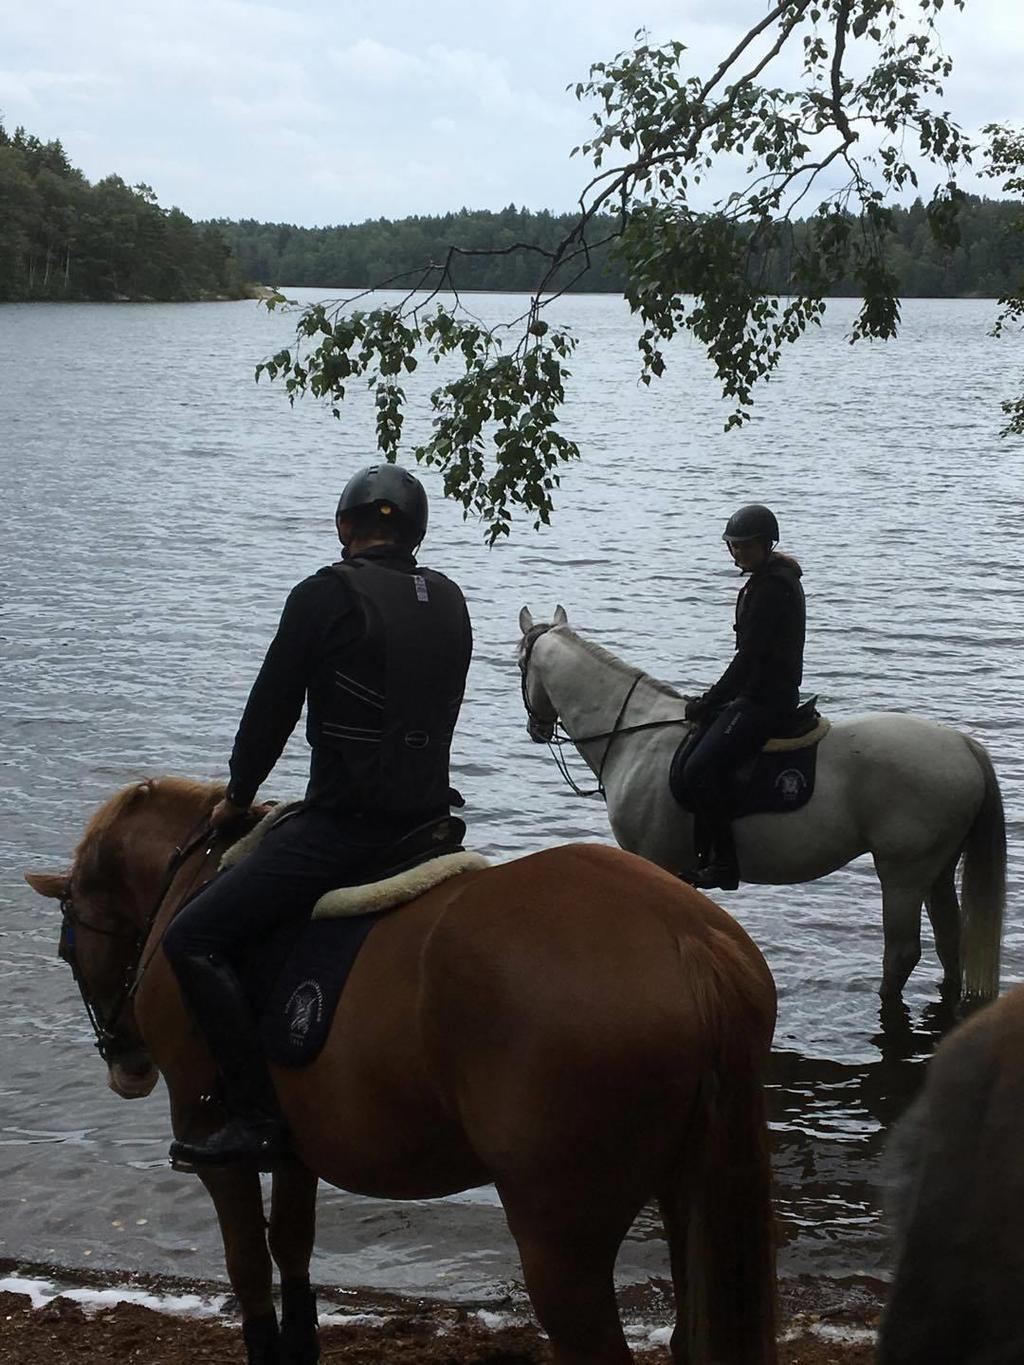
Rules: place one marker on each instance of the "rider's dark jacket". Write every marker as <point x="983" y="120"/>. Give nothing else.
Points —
<point x="767" y="667"/>
<point x="378" y="648"/>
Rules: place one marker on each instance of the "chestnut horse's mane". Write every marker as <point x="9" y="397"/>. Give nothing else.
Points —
<point x="94" y="857"/>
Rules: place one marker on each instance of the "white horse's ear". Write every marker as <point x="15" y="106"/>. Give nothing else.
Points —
<point x="559" y="618"/>
<point x="53" y="885"/>
<point x="525" y="620"/>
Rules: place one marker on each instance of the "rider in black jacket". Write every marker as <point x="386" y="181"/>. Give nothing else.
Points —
<point x="755" y="696"/>
<point x="378" y="648"/>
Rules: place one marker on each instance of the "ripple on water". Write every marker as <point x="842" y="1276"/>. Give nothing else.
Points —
<point x="159" y="505"/>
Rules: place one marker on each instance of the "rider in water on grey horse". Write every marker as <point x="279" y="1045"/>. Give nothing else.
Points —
<point x="379" y="648"/>
<point x="757" y="694"/>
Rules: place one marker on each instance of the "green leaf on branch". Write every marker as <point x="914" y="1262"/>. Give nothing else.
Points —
<point x="493" y="434"/>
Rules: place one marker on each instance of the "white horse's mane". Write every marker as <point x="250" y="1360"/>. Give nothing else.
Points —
<point x="613" y="661"/>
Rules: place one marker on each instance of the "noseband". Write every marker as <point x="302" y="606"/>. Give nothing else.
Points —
<point x="108" y="1042"/>
<point x="538" y="723"/>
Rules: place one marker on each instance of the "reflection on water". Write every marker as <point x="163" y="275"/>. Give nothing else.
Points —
<point x="829" y="1121"/>
<point x="159" y="505"/>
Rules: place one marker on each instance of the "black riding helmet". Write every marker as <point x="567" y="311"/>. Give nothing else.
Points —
<point x="392" y="490"/>
<point x="752" y="522"/>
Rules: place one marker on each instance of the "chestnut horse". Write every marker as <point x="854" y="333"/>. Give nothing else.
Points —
<point x="577" y="1027"/>
<point x="959" y="1205"/>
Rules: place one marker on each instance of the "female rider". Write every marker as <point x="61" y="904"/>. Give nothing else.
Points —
<point x="756" y="695"/>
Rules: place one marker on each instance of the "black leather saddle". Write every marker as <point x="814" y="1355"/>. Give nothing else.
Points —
<point x="430" y="840"/>
<point x="805" y="719"/>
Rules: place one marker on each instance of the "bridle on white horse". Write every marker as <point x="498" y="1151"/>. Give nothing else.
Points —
<point x="560" y="737"/>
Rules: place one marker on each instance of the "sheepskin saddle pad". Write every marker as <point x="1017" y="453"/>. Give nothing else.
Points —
<point x="296" y="977"/>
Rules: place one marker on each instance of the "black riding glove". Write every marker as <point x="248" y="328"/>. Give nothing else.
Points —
<point x="696" y="708"/>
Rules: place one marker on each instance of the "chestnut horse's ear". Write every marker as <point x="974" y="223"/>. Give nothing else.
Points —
<point x="560" y="618"/>
<point x="525" y="620"/>
<point x="54" y="885"/>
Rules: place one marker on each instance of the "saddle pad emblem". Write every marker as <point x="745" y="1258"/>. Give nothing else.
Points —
<point x="791" y="784"/>
<point x="304" y="1010"/>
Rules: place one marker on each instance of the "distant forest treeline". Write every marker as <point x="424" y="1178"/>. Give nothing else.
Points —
<point x="62" y="238"/>
<point x="988" y="261"/>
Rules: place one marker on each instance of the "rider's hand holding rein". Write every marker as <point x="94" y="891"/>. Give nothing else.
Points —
<point x="225" y="812"/>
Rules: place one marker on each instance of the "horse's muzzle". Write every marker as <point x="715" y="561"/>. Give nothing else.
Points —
<point x="132" y="1075"/>
<point x="540" y="731"/>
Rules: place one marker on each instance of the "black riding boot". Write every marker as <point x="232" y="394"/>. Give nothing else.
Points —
<point x="255" y="1131"/>
<point x="717" y="870"/>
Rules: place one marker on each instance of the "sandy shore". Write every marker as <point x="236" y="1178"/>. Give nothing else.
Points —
<point x="162" y="1322"/>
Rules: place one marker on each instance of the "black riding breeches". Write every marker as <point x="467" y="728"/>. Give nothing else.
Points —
<point x="293" y="865"/>
<point x="735" y="735"/>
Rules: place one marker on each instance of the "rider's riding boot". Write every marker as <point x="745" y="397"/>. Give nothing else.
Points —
<point x="718" y="870"/>
<point x="255" y="1131"/>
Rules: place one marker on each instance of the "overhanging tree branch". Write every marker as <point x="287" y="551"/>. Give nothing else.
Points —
<point x="495" y="433"/>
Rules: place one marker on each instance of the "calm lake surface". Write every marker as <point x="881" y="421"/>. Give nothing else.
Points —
<point x="158" y="505"/>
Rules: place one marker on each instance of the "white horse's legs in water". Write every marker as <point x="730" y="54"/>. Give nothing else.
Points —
<point x="902" y="895"/>
<point x="944" y="913"/>
<point x="906" y="883"/>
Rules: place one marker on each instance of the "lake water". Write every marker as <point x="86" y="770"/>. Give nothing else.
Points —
<point x="157" y="507"/>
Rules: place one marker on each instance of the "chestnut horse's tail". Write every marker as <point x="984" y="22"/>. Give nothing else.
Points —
<point x="721" y="1201"/>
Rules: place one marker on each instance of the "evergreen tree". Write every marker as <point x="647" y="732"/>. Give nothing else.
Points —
<point x="62" y="238"/>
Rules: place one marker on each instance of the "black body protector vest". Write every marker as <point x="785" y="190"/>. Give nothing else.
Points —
<point x="387" y="705"/>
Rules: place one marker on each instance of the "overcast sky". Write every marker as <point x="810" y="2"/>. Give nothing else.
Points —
<point x="333" y="111"/>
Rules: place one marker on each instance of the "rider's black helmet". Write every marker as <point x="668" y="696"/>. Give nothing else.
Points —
<point x="753" y="522"/>
<point x="392" y="491"/>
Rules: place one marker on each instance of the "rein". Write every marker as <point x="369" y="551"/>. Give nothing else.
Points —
<point x="102" y="1023"/>
<point x="560" y="736"/>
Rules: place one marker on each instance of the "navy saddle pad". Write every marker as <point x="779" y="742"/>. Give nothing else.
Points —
<point x="769" y="783"/>
<point x="294" y="980"/>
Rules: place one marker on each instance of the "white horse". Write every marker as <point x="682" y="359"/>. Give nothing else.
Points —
<point x="916" y="795"/>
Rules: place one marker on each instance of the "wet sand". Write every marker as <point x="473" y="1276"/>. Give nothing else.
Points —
<point x="823" y="1322"/>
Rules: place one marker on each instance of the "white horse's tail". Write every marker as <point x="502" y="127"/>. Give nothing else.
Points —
<point x="983" y="894"/>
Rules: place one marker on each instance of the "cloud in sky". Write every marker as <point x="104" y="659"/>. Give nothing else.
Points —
<point x="312" y="111"/>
